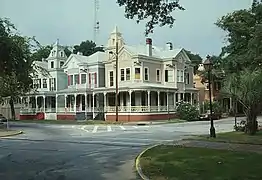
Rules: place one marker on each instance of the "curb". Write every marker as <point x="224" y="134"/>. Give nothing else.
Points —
<point x="137" y="162"/>
<point x="17" y="133"/>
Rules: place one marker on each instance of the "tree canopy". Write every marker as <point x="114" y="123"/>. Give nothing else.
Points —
<point x="195" y="60"/>
<point x="87" y="48"/>
<point x="155" y="12"/>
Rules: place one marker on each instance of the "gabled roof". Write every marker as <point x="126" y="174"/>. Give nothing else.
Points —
<point x="94" y="58"/>
<point x="156" y="51"/>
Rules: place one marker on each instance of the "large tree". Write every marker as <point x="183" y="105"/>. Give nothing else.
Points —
<point x="242" y="59"/>
<point x="195" y="60"/>
<point x="87" y="48"/>
<point x="16" y="63"/>
<point x="155" y="12"/>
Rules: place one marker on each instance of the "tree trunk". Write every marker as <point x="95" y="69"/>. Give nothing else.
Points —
<point x="252" y="125"/>
<point x="11" y="102"/>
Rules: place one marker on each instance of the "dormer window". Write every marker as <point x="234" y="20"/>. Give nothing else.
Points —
<point x="61" y="64"/>
<point x="61" y="54"/>
<point x="113" y="40"/>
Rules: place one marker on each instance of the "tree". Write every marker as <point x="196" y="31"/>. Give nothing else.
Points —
<point x="155" y="12"/>
<point x="41" y="53"/>
<point x="87" y="48"/>
<point x="245" y="86"/>
<point x="195" y="60"/>
<point x="16" y="63"/>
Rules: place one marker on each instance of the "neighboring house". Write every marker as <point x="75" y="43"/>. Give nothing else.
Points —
<point x="151" y="82"/>
<point x="203" y="88"/>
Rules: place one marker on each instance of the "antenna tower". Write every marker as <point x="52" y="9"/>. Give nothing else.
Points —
<point x="96" y="22"/>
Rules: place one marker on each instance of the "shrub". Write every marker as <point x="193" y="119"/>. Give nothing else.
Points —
<point x="187" y="112"/>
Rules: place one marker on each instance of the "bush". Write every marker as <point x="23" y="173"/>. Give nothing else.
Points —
<point x="216" y="107"/>
<point x="187" y="112"/>
<point x="242" y="126"/>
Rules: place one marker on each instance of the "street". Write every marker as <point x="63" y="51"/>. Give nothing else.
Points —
<point x="95" y="152"/>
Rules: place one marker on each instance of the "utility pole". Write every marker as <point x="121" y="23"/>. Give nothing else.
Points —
<point x="116" y="81"/>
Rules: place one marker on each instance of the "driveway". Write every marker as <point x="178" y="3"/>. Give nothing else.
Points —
<point x="77" y="152"/>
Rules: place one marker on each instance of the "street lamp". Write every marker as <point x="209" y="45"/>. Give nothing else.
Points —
<point x="208" y="67"/>
<point x="116" y="100"/>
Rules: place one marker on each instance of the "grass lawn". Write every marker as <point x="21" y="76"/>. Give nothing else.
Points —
<point x="67" y="122"/>
<point x="183" y="163"/>
<point x="4" y="132"/>
<point x="235" y="137"/>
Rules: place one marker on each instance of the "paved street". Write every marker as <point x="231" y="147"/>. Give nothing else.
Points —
<point x="95" y="152"/>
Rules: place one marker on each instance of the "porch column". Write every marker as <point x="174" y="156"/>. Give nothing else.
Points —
<point x="93" y="99"/>
<point x="174" y="94"/>
<point x="148" y="100"/>
<point x="191" y="98"/>
<point x="167" y="101"/>
<point x="44" y="103"/>
<point x="130" y="101"/>
<point x="158" y="100"/>
<point x="105" y="105"/>
<point x="121" y="94"/>
<point x="75" y="103"/>
<point x="230" y="103"/>
<point x="178" y="97"/>
<point x="65" y="102"/>
<point x="28" y="100"/>
<point x="85" y="103"/>
<point x="89" y="102"/>
<point x="80" y="103"/>
<point x="56" y="104"/>
<point x="36" y="105"/>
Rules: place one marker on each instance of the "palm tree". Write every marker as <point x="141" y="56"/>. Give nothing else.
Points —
<point x="245" y="87"/>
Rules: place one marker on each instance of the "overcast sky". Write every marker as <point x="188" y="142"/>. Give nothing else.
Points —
<point x="72" y="21"/>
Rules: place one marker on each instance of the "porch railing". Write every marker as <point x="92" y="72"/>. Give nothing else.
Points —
<point x="132" y="109"/>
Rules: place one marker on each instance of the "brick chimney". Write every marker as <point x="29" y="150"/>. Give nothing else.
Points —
<point x="149" y="46"/>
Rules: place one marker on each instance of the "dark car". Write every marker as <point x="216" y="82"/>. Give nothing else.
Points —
<point x="3" y="119"/>
<point x="206" y="116"/>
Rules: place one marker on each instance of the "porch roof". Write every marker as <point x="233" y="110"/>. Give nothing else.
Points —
<point x="137" y="86"/>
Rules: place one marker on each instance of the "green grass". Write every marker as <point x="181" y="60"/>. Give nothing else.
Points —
<point x="67" y="122"/>
<point x="235" y="137"/>
<point x="184" y="163"/>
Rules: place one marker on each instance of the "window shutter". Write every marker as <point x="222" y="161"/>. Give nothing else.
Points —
<point x="95" y="79"/>
<point x="89" y="77"/>
<point x="68" y="80"/>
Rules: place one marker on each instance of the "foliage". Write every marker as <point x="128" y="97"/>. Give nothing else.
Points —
<point x="42" y="53"/>
<point x="155" y="12"/>
<point x="244" y="35"/>
<point x="187" y="112"/>
<point x="195" y="60"/>
<point x="216" y="107"/>
<point x="245" y="87"/>
<point x="87" y="48"/>
<point x="15" y="63"/>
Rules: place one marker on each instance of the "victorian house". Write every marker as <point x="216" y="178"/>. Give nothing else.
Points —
<point x="151" y="81"/>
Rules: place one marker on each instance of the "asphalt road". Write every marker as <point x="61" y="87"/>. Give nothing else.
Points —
<point x="66" y="152"/>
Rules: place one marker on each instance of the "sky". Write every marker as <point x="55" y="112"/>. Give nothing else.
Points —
<point x="73" y="22"/>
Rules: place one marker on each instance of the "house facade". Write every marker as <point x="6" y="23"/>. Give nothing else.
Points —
<point x="151" y="81"/>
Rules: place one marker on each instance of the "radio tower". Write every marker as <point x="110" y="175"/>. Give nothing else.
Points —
<point x="96" y="22"/>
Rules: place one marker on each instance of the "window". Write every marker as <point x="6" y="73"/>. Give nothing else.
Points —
<point x="61" y="54"/>
<point x="169" y="75"/>
<point x="137" y="73"/>
<point x="127" y="74"/>
<point x="61" y="64"/>
<point x="44" y="83"/>
<point x="122" y="74"/>
<point x="180" y="75"/>
<point x="52" y="84"/>
<point x="158" y="75"/>
<point x="39" y="83"/>
<point x="52" y="64"/>
<point x="71" y="80"/>
<point x="111" y="78"/>
<point x="76" y="78"/>
<point x="146" y="78"/>
<point x="83" y="78"/>
<point x="186" y="78"/>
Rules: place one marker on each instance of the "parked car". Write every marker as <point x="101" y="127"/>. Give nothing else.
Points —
<point x="3" y="119"/>
<point x="206" y="116"/>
